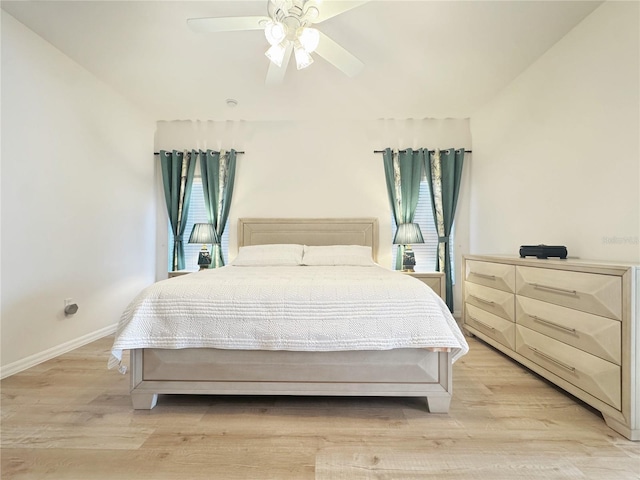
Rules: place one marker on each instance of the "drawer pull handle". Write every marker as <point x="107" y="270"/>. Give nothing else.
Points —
<point x="551" y="359"/>
<point x="483" y="275"/>
<point x="482" y="323"/>
<point x="480" y="299"/>
<point x="556" y="289"/>
<point x="553" y="324"/>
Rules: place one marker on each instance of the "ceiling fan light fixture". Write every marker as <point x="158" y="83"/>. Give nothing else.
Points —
<point x="309" y="38"/>
<point x="276" y="53"/>
<point x="303" y="59"/>
<point x="288" y="28"/>
<point x="275" y="32"/>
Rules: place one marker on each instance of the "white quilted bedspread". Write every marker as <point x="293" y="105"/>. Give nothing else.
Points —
<point x="289" y="308"/>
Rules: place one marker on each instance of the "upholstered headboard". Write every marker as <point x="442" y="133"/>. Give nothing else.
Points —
<point x="309" y="231"/>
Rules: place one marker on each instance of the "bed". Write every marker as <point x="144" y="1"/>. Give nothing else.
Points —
<point x="364" y="367"/>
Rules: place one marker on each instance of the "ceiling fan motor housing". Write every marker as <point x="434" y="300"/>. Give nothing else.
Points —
<point x="293" y="14"/>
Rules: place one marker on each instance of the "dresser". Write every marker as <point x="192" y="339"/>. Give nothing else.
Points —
<point x="574" y="322"/>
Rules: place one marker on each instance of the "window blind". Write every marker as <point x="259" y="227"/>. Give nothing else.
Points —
<point x="425" y="253"/>
<point x="197" y="214"/>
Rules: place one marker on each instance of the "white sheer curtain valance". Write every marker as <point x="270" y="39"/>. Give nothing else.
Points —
<point x="201" y="135"/>
<point x="431" y="133"/>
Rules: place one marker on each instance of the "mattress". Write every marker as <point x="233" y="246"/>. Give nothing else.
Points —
<point x="300" y="308"/>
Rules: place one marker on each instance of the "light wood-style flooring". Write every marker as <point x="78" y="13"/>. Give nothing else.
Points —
<point x="71" y="418"/>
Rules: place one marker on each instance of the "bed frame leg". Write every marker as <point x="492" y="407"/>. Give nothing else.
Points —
<point x="439" y="404"/>
<point x="144" y="401"/>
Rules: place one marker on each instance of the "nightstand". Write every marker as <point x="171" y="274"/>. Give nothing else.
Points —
<point x="177" y="273"/>
<point x="435" y="280"/>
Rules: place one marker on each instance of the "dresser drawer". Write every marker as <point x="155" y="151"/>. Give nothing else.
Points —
<point x="491" y="300"/>
<point x="587" y="372"/>
<point x="494" y="275"/>
<point x="597" y="335"/>
<point x="501" y="330"/>
<point x="587" y="292"/>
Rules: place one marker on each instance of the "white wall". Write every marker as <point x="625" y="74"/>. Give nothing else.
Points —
<point x="314" y="168"/>
<point x="78" y="204"/>
<point x="556" y="154"/>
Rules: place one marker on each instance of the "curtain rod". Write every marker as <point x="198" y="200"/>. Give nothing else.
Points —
<point x="430" y="151"/>
<point x="237" y="153"/>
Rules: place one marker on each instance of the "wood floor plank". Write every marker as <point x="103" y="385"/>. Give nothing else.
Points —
<point x="170" y="464"/>
<point x="363" y="465"/>
<point x="71" y="418"/>
<point x="81" y="436"/>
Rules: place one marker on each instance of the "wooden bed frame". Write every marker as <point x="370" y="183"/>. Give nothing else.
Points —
<point x="400" y="372"/>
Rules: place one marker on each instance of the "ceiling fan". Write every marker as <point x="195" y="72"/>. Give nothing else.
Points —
<point x="288" y="29"/>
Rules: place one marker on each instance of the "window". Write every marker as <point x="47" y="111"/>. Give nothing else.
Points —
<point x="197" y="214"/>
<point x="426" y="253"/>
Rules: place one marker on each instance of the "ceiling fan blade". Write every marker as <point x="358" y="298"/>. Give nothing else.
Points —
<point x="226" y="24"/>
<point x="275" y="74"/>
<point x="328" y="9"/>
<point x="338" y="56"/>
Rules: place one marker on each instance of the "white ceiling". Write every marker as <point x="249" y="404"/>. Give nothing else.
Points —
<point x="422" y="58"/>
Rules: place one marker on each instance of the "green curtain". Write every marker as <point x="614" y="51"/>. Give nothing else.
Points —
<point x="218" y="175"/>
<point x="177" y="178"/>
<point x="403" y="173"/>
<point x="444" y="170"/>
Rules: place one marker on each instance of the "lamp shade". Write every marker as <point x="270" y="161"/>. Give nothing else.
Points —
<point x="408" y="234"/>
<point x="303" y="59"/>
<point x="203" y="233"/>
<point x="309" y="38"/>
<point x="275" y="32"/>
<point x="276" y="53"/>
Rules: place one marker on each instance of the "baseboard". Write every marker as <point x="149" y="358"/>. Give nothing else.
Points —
<point x="33" y="360"/>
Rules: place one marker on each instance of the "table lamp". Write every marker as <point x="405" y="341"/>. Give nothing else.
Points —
<point x="406" y="235"/>
<point x="204" y="233"/>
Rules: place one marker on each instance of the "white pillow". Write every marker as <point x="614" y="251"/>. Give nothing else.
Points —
<point x="269" y="255"/>
<point x="337" y="255"/>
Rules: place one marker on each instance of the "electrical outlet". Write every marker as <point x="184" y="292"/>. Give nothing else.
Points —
<point x="70" y="308"/>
